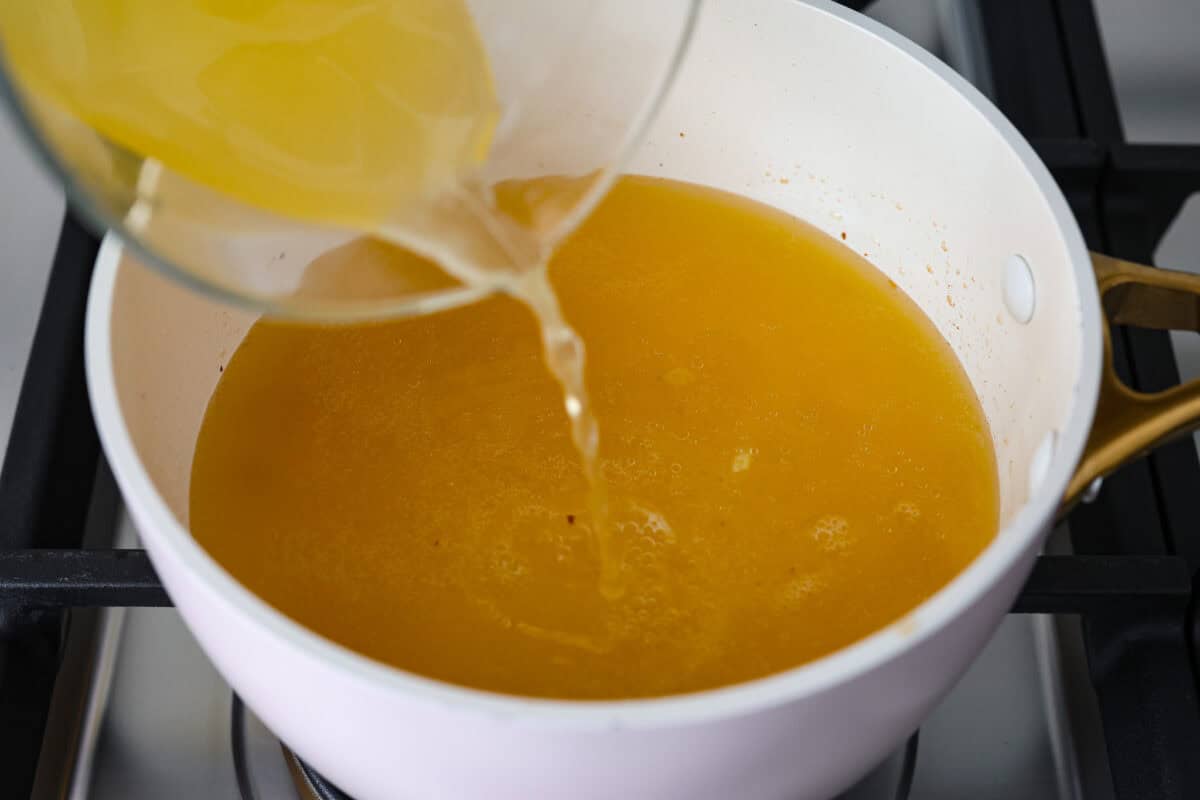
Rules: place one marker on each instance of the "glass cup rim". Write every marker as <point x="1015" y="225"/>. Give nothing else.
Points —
<point x="80" y="200"/>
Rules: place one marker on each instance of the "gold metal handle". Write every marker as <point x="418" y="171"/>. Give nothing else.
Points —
<point x="1130" y="423"/>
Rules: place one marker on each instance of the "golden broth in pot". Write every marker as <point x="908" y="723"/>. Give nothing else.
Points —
<point x="793" y="456"/>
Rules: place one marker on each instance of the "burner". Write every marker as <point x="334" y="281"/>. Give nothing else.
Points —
<point x="250" y="770"/>
<point x="310" y="785"/>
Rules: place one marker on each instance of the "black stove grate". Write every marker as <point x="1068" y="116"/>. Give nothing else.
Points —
<point x="1050" y="77"/>
<point x="1133" y="582"/>
<point x="46" y="486"/>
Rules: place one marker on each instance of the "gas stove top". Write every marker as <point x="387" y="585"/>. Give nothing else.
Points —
<point x="1087" y="692"/>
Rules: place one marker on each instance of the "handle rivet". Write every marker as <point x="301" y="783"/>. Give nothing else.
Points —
<point x="1020" y="294"/>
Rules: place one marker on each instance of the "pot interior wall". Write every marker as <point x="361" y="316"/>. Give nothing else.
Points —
<point x="818" y="118"/>
<point x="169" y="347"/>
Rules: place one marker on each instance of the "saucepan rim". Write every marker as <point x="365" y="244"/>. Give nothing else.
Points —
<point x="161" y="529"/>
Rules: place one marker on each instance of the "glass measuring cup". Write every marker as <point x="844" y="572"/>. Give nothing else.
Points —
<point x="576" y="82"/>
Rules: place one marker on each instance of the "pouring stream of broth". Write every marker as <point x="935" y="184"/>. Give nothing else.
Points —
<point x="398" y="110"/>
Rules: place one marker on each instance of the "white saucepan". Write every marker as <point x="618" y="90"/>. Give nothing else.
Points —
<point x="829" y="116"/>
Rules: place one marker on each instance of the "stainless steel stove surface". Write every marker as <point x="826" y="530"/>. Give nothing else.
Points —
<point x="158" y="723"/>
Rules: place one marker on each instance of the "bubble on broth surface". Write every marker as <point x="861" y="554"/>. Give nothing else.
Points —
<point x="831" y="533"/>
<point x="800" y="590"/>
